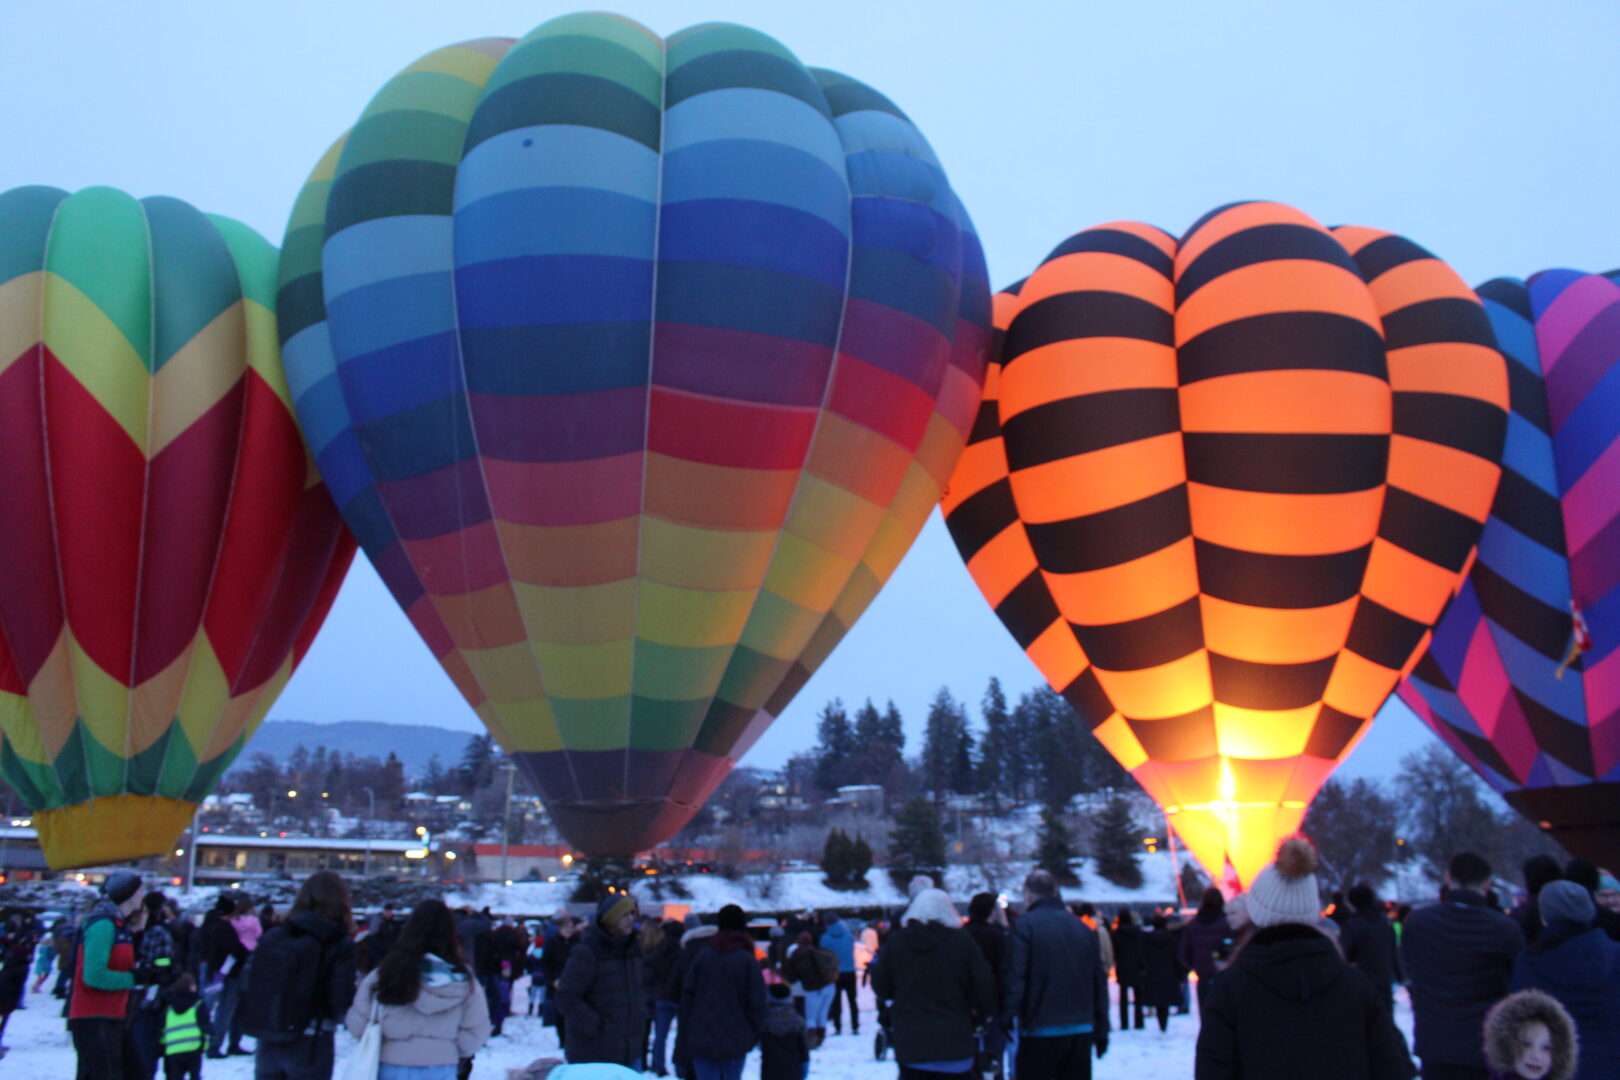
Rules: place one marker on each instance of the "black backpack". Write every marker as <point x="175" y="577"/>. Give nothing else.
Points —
<point x="285" y="987"/>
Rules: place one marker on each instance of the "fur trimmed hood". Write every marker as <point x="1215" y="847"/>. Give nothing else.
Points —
<point x="1507" y="1016"/>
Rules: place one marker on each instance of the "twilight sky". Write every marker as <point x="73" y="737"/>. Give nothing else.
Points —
<point x="1483" y="130"/>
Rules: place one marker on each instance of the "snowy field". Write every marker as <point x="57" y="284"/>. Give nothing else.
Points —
<point x="40" y="1049"/>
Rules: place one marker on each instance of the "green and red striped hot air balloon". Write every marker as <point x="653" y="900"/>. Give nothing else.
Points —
<point x="167" y="550"/>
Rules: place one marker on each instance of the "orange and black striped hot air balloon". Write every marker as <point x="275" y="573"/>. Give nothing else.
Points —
<point x="1219" y="490"/>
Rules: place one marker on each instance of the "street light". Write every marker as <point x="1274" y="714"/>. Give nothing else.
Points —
<point x="371" y="816"/>
<point x="510" y="767"/>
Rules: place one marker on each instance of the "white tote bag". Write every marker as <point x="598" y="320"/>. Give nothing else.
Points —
<point x="367" y="1060"/>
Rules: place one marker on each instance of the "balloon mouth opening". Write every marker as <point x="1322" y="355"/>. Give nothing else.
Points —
<point x="111" y="829"/>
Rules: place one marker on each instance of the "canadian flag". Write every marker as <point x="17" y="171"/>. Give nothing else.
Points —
<point x="1231" y="885"/>
<point x="1580" y="638"/>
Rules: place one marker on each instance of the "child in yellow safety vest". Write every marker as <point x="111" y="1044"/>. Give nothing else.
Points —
<point x="185" y="1031"/>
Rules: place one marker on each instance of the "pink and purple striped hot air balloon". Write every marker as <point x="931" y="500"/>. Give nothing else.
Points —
<point x="1523" y="675"/>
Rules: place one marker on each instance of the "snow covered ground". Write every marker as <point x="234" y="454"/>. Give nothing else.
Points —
<point x="40" y="1049"/>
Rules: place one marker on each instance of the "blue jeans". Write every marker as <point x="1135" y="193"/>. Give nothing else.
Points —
<point x="816" y="1005"/>
<point x="416" y="1072"/>
<point x="718" y="1069"/>
<point x="664" y="1016"/>
<point x="224" y="1013"/>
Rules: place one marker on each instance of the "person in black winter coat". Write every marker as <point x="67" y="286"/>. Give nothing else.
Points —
<point x="1577" y="964"/>
<point x="696" y="938"/>
<point x="660" y="967"/>
<point x="1128" y="966"/>
<point x="991" y="938"/>
<point x="784" y="1052"/>
<point x="223" y="952"/>
<point x="1368" y="941"/>
<point x="1057" y="988"/>
<point x="600" y="991"/>
<point x="723" y="1000"/>
<point x="1159" y="986"/>
<point x="1458" y="957"/>
<point x="1207" y="934"/>
<point x="321" y="911"/>
<point x="1538" y="871"/>
<point x="553" y="960"/>
<point x="1590" y="878"/>
<point x="940" y="986"/>
<point x="1289" y="1005"/>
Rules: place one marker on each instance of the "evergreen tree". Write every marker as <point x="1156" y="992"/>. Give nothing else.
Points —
<point x="964" y="777"/>
<point x="918" y="839"/>
<point x="994" y="770"/>
<point x="433" y="776"/>
<point x="1054" y="843"/>
<point x="837" y="857"/>
<point x="891" y="729"/>
<point x="879" y="746"/>
<point x="1114" y="842"/>
<point x="835" y="751"/>
<point x="942" y="744"/>
<point x="860" y="859"/>
<point x="477" y="768"/>
<point x="1046" y="722"/>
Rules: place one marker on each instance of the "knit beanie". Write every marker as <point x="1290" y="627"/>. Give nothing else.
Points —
<point x="1285" y="891"/>
<point x="121" y="885"/>
<point x="733" y="917"/>
<point x="1606" y="883"/>
<point x="613" y="908"/>
<point x="1565" y="901"/>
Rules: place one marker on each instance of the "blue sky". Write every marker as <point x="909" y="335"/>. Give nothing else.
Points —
<point x="1483" y="130"/>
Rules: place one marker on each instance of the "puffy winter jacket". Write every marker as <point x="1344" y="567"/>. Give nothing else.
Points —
<point x="1128" y="954"/>
<point x="600" y="995"/>
<point x="991" y="939"/>
<point x="723" y="999"/>
<point x="837" y="940"/>
<point x="941" y="987"/>
<point x="1580" y="967"/>
<point x="1368" y="941"/>
<point x="1289" y="1006"/>
<point x="448" y="1021"/>
<point x="1201" y="939"/>
<point x="1055" y="977"/>
<point x="1458" y="956"/>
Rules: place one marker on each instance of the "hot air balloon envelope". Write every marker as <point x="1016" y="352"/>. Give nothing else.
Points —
<point x="635" y="365"/>
<point x="167" y="550"/>
<point x="1528" y="697"/>
<point x="1219" y="490"/>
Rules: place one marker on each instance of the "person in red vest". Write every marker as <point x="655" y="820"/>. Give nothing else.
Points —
<point x="103" y="977"/>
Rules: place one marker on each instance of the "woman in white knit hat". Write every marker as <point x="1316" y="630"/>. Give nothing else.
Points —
<point x="1289" y="1005"/>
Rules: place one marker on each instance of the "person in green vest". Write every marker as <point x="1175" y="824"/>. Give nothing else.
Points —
<point x="185" y="1031"/>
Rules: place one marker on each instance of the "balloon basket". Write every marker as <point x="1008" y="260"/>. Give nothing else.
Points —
<point x="111" y="829"/>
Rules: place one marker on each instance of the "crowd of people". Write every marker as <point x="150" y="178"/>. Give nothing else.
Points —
<point x="1284" y="985"/>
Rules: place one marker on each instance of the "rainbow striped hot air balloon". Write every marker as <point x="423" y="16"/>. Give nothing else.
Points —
<point x="635" y="365"/>
<point x="167" y="551"/>
<point x="1523" y="676"/>
<point x="1219" y="490"/>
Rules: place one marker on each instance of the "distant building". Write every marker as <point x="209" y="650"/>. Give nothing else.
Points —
<point x="858" y="799"/>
